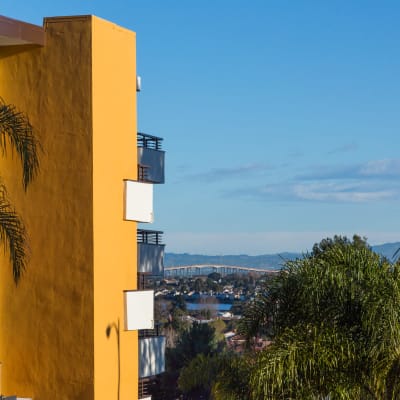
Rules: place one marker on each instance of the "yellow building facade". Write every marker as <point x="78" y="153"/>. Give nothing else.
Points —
<point x="62" y="330"/>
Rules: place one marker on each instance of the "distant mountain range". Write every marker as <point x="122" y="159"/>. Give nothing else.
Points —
<point x="266" y="261"/>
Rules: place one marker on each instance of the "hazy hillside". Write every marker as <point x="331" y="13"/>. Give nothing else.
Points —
<point x="267" y="261"/>
<point x="387" y="249"/>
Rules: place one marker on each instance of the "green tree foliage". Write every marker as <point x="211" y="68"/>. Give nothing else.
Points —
<point x="215" y="276"/>
<point x="222" y="376"/>
<point x="198" y="339"/>
<point x="231" y="381"/>
<point x="16" y="132"/>
<point x="198" y="285"/>
<point x="180" y="303"/>
<point x="219" y="329"/>
<point x="210" y="284"/>
<point x="171" y="315"/>
<point x="334" y="317"/>
<point x="198" y="379"/>
<point x="319" y="249"/>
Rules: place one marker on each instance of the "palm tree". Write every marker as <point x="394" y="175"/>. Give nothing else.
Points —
<point x="16" y="132"/>
<point x="334" y="317"/>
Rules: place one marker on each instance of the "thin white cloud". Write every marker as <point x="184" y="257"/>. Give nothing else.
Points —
<point x="382" y="169"/>
<point x="387" y="167"/>
<point x="339" y="192"/>
<point x="229" y="173"/>
<point x="373" y="181"/>
<point x="323" y="191"/>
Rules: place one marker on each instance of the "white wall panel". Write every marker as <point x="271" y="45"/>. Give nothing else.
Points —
<point x="138" y="197"/>
<point x="139" y="309"/>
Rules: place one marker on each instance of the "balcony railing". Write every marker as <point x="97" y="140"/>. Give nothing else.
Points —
<point x="145" y="388"/>
<point x="147" y="236"/>
<point x="150" y="252"/>
<point x="149" y="141"/>
<point x="151" y="158"/>
<point x="151" y="356"/>
<point x="156" y="331"/>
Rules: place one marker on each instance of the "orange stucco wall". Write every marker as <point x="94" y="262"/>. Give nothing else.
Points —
<point x="114" y="159"/>
<point x="46" y="345"/>
<point x="79" y="93"/>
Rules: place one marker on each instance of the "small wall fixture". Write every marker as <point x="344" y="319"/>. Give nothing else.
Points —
<point x="138" y="83"/>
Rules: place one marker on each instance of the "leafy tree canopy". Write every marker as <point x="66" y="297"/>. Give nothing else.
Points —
<point x="334" y="318"/>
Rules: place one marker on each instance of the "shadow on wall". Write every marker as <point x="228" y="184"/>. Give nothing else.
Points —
<point x="108" y="333"/>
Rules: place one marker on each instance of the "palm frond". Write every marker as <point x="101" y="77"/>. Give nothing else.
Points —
<point x="232" y="379"/>
<point x="256" y="316"/>
<point x="335" y="319"/>
<point x="13" y="235"/>
<point x="306" y="362"/>
<point x="16" y="128"/>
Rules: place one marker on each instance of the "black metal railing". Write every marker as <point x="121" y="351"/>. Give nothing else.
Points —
<point x="145" y="385"/>
<point x="149" y="237"/>
<point x="143" y="173"/>
<point x="149" y="141"/>
<point x="144" y="282"/>
<point x="145" y="333"/>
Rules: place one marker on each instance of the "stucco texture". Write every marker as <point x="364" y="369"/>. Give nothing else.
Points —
<point x="115" y="247"/>
<point x="79" y="93"/>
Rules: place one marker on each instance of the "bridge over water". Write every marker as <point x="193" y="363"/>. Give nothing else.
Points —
<point x="205" y="269"/>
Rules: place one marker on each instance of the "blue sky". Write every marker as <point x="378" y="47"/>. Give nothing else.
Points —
<point x="280" y="118"/>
